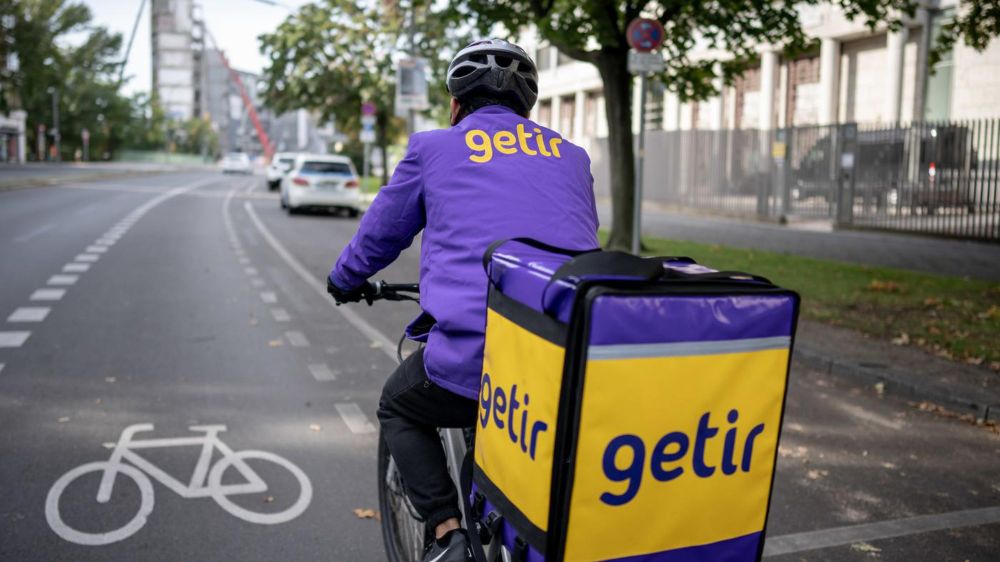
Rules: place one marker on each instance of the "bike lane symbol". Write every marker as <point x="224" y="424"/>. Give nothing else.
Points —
<point x="206" y="481"/>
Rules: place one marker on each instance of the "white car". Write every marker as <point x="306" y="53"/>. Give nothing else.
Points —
<point x="321" y="181"/>
<point x="281" y="163"/>
<point x="236" y="163"/>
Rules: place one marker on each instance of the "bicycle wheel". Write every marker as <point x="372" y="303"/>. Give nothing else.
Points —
<point x="60" y="527"/>
<point x="402" y="528"/>
<point x="300" y="505"/>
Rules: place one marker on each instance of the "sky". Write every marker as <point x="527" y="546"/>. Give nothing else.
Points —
<point x="235" y="24"/>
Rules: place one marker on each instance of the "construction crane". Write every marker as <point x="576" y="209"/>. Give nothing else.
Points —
<point x="247" y="101"/>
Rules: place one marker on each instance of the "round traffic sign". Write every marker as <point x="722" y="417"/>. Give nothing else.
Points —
<point x="367" y="108"/>
<point x="645" y="35"/>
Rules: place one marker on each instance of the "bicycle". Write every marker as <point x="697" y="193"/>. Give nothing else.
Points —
<point x="402" y="527"/>
<point x="206" y="481"/>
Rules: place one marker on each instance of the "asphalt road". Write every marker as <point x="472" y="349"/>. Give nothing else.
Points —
<point x="190" y="300"/>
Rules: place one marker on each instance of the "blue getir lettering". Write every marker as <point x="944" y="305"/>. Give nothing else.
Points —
<point x="495" y="402"/>
<point x="625" y="456"/>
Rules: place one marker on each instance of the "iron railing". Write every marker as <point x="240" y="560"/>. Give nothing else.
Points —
<point x="933" y="178"/>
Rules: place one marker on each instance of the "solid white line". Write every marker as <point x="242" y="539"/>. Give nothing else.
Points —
<point x="840" y="536"/>
<point x="62" y="279"/>
<point x="48" y="294"/>
<point x="269" y="297"/>
<point x="97" y="249"/>
<point x="384" y="343"/>
<point x="40" y="230"/>
<point x="297" y="339"/>
<point x="13" y="339"/>
<point x="322" y="372"/>
<point x="29" y="314"/>
<point x="76" y="267"/>
<point x="355" y="419"/>
<point x="280" y="315"/>
<point x="88" y="257"/>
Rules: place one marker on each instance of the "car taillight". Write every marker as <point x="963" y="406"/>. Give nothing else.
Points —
<point x="300" y="181"/>
<point x="352" y="183"/>
<point x="932" y="170"/>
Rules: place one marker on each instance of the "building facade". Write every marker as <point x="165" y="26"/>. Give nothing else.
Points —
<point x="855" y="75"/>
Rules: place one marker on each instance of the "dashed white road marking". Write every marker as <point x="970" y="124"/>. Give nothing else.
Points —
<point x="106" y="241"/>
<point x="13" y="339"/>
<point x="63" y="279"/>
<point x="1" y="367"/>
<point x="29" y="314"/>
<point x="269" y="297"/>
<point x="76" y="267"/>
<point x="38" y="231"/>
<point x="96" y="249"/>
<point x="322" y="372"/>
<point x="250" y="270"/>
<point x="88" y="257"/>
<point x="257" y="282"/>
<point x="297" y="339"/>
<point x="372" y="333"/>
<point x="280" y="315"/>
<point x="48" y="294"/>
<point x="355" y="419"/>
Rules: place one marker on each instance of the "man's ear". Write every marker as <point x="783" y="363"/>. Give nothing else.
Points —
<point x="456" y="110"/>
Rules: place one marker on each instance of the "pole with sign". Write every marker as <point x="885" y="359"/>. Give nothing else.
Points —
<point x="367" y="136"/>
<point x="644" y="36"/>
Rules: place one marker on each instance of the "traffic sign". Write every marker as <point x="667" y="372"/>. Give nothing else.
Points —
<point x="367" y="136"/>
<point x="368" y="108"/>
<point x="644" y="63"/>
<point x="367" y="120"/>
<point x="645" y="35"/>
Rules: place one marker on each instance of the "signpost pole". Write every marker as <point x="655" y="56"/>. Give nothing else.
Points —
<point x="640" y="156"/>
<point x="367" y="161"/>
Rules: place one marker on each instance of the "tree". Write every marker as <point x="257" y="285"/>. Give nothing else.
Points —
<point x="333" y="55"/>
<point x="593" y="31"/>
<point x="83" y="74"/>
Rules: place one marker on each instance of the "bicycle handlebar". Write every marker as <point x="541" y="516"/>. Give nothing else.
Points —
<point x="395" y="291"/>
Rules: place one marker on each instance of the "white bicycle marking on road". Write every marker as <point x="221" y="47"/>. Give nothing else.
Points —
<point x="355" y="419"/>
<point x="206" y="481"/>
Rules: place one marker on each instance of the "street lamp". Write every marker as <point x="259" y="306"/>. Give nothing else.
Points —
<point x="55" y="121"/>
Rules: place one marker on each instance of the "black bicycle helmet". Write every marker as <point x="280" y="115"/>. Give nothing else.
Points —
<point x="494" y="69"/>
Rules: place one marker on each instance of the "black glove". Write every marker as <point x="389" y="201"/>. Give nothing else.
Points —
<point x="366" y="292"/>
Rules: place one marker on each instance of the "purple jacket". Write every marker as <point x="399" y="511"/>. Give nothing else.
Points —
<point x="489" y="177"/>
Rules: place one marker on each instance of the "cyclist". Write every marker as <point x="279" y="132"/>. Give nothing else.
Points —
<point x="493" y="174"/>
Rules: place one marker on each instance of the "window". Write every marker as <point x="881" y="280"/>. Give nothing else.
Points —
<point x="545" y="113"/>
<point x="563" y="59"/>
<point x="591" y="106"/>
<point x="937" y="100"/>
<point x="544" y="58"/>
<point x="567" y="113"/>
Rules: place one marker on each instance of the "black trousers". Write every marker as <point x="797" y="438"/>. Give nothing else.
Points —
<point x="409" y="413"/>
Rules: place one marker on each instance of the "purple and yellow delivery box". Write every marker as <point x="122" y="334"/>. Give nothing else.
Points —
<point x="630" y="409"/>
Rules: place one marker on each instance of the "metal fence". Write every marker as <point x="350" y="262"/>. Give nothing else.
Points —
<point x="933" y="178"/>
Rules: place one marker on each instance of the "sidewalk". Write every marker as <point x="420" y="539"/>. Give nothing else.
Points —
<point x="15" y="176"/>
<point x="919" y="253"/>
<point x="905" y="372"/>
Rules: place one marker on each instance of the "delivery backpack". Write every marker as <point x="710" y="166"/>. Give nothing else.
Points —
<point x="629" y="408"/>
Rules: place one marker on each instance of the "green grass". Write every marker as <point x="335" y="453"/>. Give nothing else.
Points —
<point x="953" y="317"/>
<point x="371" y="184"/>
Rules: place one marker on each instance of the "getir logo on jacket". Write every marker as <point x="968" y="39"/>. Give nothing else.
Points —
<point x="483" y="145"/>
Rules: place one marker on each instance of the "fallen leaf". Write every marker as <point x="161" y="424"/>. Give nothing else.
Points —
<point x="63" y="420"/>
<point x="269" y="499"/>
<point x="364" y="513"/>
<point x="975" y="360"/>
<point x="315" y="427"/>
<point x="903" y="339"/>
<point x="375" y="345"/>
<point x="865" y="547"/>
<point x="889" y="466"/>
<point x="253" y="321"/>
<point x="816" y="474"/>
<point x="109" y="379"/>
<point x="97" y="401"/>
<point x="880" y="388"/>
<point x="995" y="365"/>
<point x="931" y="301"/>
<point x="880" y="286"/>
<point x="275" y="343"/>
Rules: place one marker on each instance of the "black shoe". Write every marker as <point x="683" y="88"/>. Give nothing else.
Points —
<point x="452" y="547"/>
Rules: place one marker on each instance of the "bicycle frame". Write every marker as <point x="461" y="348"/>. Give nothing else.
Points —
<point x="196" y="488"/>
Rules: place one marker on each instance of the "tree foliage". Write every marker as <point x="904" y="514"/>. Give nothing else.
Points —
<point x="332" y="55"/>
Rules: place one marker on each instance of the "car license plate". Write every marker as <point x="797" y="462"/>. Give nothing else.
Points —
<point x="329" y="184"/>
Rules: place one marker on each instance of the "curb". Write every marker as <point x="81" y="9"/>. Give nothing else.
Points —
<point x="983" y="406"/>
<point x="28" y="183"/>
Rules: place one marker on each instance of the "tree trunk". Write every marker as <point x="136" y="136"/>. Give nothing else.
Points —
<point x="382" y="124"/>
<point x="612" y="65"/>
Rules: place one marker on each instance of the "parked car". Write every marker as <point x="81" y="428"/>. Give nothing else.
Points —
<point x="236" y="163"/>
<point x="280" y="165"/>
<point x="321" y="181"/>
